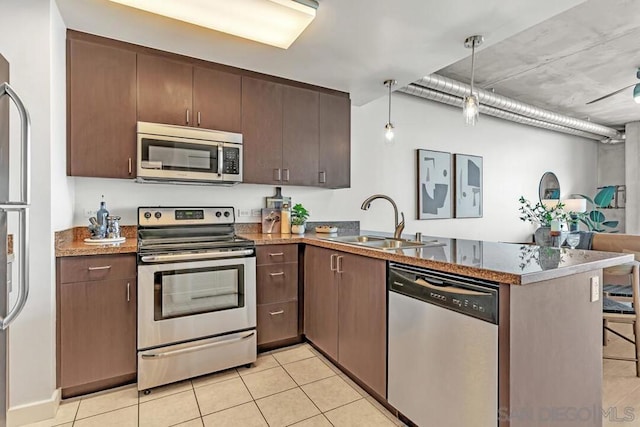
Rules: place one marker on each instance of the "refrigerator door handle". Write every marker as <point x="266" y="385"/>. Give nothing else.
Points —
<point x="25" y="136"/>
<point x="23" y="289"/>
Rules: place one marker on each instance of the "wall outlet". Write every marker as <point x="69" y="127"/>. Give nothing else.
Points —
<point x="88" y="212"/>
<point x="595" y="288"/>
<point x="244" y="213"/>
<point x="256" y="212"/>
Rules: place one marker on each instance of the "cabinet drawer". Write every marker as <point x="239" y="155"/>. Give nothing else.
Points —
<point x="277" y="283"/>
<point x="276" y="254"/>
<point x="96" y="267"/>
<point x="277" y="321"/>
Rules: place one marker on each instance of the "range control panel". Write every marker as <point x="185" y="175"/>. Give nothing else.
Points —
<point x="462" y="294"/>
<point x="163" y="216"/>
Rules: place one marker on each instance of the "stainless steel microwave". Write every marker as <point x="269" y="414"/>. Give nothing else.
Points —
<point x="186" y="155"/>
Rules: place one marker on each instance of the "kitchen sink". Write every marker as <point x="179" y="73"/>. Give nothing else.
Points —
<point x="382" y="243"/>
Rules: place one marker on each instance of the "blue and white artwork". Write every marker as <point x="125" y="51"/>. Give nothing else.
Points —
<point x="468" y="186"/>
<point x="434" y="184"/>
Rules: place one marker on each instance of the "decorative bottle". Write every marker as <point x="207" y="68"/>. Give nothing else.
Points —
<point x="285" y="219"/>
<point x="102" y="213"/>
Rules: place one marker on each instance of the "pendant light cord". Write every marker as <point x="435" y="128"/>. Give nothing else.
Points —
<point x="473" y="56"/>
<point x="390" y="82"/>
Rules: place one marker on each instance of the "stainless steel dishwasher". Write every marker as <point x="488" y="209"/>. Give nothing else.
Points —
<point x="443" y="348"/>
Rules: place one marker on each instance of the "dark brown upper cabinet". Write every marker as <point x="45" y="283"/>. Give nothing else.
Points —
<point x="178" y="93"/>
<point x="216" y="100"/>
<point x="101" y="110"/>
<point x="334" y="158"/>
<point x="280" y="130"/>
<point x="165" y="89"/>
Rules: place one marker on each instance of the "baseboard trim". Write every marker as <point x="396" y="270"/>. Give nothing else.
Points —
<point x="34" y="412"/>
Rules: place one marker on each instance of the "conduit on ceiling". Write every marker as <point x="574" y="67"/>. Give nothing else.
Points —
<point x="451" y="92"/>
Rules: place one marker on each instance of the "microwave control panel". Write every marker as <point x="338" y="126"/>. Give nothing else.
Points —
<point x="231" y="161"/>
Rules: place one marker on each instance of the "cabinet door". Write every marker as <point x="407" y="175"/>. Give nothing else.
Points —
<point x="335" y="141"/>
<point x="262" y="131"/>
<point x="300" y="136"/>
<point x="362" y="343"/>
<point x="165" y="90"/>
<point x="101" y="111"/>
<point x="216" y="100"/>
<point x="97" y="330"/>
<point x="321" y="300"/>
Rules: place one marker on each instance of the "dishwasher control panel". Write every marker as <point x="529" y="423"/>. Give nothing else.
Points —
<point x="466" y="295"/>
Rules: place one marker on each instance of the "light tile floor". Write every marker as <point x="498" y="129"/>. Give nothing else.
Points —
<point x="293" y="386"/>
<point x="296" y="386"/>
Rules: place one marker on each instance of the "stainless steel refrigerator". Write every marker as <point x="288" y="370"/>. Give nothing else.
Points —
<point x="8" y="210"/>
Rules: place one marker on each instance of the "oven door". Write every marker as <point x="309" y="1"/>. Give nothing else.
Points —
<point x="183" y="301"/>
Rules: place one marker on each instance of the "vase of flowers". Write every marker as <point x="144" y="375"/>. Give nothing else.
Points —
<point x="299" y="216"/>
<point x="543" y="216"/>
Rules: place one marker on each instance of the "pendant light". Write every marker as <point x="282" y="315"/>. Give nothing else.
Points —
<point x="389" y="126"/>
<point x="470" y="103"/>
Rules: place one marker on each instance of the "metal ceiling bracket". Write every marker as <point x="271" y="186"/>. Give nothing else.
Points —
<point x="473" y="41"/>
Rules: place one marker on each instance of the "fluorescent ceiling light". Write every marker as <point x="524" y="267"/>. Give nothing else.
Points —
<point x="274" y="22"/>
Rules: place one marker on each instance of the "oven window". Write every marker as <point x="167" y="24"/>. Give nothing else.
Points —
<point x="180" y="293"/>
<point x="180" y="156"/>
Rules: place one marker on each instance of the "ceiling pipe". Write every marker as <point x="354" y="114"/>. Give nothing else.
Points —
<point x="444" y="98"/>
<point x="489" y="99"/>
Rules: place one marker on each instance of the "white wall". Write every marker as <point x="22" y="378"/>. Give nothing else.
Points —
<point x="30" y="43"/>
<point x="515" y="157"/>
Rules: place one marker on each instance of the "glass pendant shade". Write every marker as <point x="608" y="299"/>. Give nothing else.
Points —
<point x="470" y="109"/>
<point x="389" y="132"/>
<point x="636" y="93"/>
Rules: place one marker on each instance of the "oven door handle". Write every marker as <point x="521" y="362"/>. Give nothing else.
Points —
<point x="196" y="255"/>
<point x="196" y="348"/>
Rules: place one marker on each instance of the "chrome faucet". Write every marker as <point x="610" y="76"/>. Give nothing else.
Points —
<point x="399" y="225"/>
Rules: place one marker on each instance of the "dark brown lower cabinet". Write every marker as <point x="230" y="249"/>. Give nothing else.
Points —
<point x="277" y="295"/>
<point x="345" y="312"/>
<point x="96" y="326"/>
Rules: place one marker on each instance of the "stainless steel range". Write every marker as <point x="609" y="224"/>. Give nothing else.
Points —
<point x="196" y="294"/>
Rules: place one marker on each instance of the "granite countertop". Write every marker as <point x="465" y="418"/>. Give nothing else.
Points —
<point x="71" y="243"/>
<point x="517" y="264"/>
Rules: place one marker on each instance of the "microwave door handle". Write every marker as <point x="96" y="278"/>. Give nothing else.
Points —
<point x="220" y="159"/>
<point x="25" y="137"/>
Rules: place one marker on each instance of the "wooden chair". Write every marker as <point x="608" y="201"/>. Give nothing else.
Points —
<point x="621" y="290"/>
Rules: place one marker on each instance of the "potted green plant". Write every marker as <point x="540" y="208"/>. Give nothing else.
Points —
<point x="595" y="219"/>
<point x="542" y="215"/>
<point x="299" y="215"/>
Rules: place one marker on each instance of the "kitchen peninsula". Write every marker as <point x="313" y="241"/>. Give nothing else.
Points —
<point x="549" y="330"/>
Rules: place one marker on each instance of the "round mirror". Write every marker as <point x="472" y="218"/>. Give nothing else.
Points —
<point x="549" y="187"/>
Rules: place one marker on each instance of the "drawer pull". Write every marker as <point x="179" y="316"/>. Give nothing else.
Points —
<point x="104" y="267"/>
<point x="279" y="273"/>
<point x="128" y="292"/>
<point x="276" y="254"/>
<point x="275" y="313"/>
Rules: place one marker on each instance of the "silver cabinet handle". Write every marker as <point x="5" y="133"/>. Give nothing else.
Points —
<point x="286" y="175"/>
<point x="196" y="348"/>
<point x="333" y="257"/>
<point x="128" y="292"/>
<point x="276" y="253"/>
<point x="23" y="288"/>
<point x="130" y="165"/>
<point x="275" y="313"/>
<point x="187" y="116"/>
<point x="322" y="177"/>
<point x="339" y="265"/>
<point x="277" y="174"/>
<point x="198" y="118"/>
<point x="104" y="267"/>
<point x="279" y="273"/>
